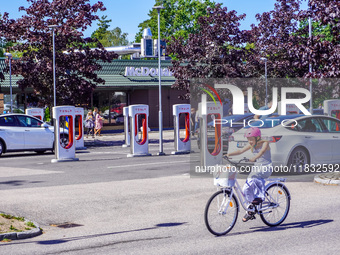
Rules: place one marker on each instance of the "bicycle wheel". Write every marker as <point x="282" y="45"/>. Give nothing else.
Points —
<point x="275" y="208"/>
<point x="221" y="212"/>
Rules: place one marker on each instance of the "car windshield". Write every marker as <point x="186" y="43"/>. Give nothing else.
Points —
<point x="272" y="121"/>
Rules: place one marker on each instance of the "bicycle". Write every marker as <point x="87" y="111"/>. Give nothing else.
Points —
<point x="222" y="208"/>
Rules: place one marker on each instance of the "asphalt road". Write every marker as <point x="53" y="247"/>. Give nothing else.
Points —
<point x="149" y="205"/>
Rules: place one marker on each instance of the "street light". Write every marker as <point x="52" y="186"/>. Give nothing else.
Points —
<point x="265" y="67"/>
<point x="9" y="55"/>
<point x="310" y="62"/>
<point x="54" y="87"/>
<point x="160" y="115"/>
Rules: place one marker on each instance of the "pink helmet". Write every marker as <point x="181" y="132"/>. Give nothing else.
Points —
<point x="253" y="132"/>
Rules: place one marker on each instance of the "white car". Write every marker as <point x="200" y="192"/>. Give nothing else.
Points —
<point x="20" y="132"/>
<point x="299" y="142"/>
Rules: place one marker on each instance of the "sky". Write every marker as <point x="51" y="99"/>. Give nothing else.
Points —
<point x="128" y="14"/>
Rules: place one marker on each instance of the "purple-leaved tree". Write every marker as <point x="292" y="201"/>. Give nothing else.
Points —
<point x="76" y="63"/>
<point x="220" y="49"/>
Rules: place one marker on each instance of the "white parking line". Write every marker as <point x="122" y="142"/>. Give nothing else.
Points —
<point x="105" y="152"/>
<point x="146" y="164"/>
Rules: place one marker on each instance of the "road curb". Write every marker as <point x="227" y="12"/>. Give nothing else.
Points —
<point x="22" y="235"/>
<point x="332" y="179"/>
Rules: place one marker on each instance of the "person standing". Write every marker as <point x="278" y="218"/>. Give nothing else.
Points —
<point x="193" y="121"/>
<point x="99" y="123"/>
<point x="89" y="123"/>
<point x="95" y="112"/>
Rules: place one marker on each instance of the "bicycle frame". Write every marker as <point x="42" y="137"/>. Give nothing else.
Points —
<point x="272" y="211"/>
<point x="239" y="194"/>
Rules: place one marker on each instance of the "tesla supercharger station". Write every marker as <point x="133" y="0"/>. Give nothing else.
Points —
<point x="182" y="145"/>
<point x="64" y="133"/>
<point x="79" y="123"/>
<point x="36" y="112"/>
<point x="139" y="141"/>
<point x="211" y="147"/>
<point x="332" y="108"/>
<point x="126" y="126"/>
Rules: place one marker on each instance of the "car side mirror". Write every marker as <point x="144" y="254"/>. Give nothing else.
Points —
<point x="44" y="125"/>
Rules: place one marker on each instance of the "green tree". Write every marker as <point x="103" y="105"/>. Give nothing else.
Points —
<point x="106" y="37"/>
<point x="178" y="18"/>
<point x="114" y="37"/>
<point x="101" y="31"/>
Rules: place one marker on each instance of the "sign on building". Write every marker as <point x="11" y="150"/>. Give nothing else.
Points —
<point x="146" y="71"/>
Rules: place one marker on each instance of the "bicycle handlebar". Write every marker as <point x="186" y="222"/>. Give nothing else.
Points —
<point x="235" y="163"/>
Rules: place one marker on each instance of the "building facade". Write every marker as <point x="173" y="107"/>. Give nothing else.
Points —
<point x="127" y="82"/>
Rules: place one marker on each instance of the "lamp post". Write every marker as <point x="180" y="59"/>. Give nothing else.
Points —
<point x="310" y="61"/>
<point x="9" y="55"/>
<point x="54" y="80"/>
<point x="265" y="68"/>
<point x="160" y="114"/>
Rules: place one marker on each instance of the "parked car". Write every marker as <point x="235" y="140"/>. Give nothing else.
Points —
<point x="106" y="114"/>
<point x="21" y="132"/>
<point x="119" y="118"/>
<point x="318" y="111"/>
<point x="301" y="142"/>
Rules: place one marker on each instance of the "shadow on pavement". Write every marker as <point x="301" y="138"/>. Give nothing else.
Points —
<point x="24" y="154"/>
<point x="64" y="240"/>
<point x="17" y="182"/>
<point x="302" y="224"/>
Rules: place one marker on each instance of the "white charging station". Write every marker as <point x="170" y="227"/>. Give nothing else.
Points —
<point x="139" y="115"/>
<point x="36" y="112"/>
<point x="332" y="108"/>
<point x="126" y="127"/>
<point x="182" y="145"/>
<point x="211" y="145"/>
<point x="64" y="134"/>
<point x="79" y="124"/>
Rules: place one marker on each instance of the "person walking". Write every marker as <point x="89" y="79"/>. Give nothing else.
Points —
<point x="99" y="123"/>
<point x="89" y="124"/>
<point x="95" y="112"/>
<point x="193" y="121"/>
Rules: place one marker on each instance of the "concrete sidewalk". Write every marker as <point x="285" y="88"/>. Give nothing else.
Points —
<point x="328" y="178"/>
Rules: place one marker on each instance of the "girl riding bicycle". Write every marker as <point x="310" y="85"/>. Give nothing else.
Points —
<point x="254" y="188"/>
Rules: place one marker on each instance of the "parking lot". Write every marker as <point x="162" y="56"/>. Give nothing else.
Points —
<point x="149" y="205"/>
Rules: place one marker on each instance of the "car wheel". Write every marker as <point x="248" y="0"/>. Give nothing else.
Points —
<point x="2" y="147"/>
<point x="298" y="159"/>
